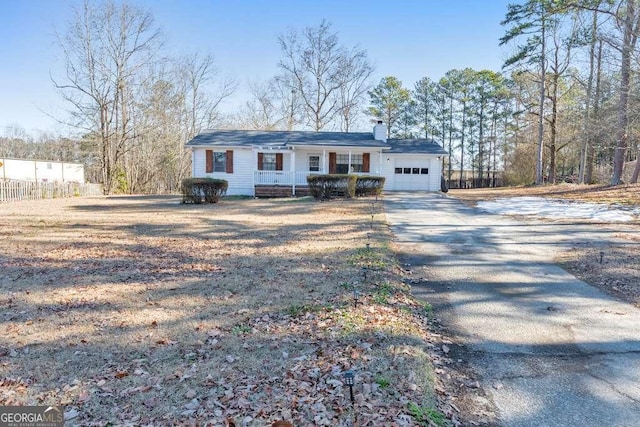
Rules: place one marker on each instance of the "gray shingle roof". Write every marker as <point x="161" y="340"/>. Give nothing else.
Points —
<point x="251" y="138"/>
<point x="417" y="146"/>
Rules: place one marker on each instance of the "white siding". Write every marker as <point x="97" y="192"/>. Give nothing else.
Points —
<point x="41" y="171"/>
<point x="240" y="181"/>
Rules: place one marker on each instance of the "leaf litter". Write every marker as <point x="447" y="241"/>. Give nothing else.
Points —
<point x="141" y="311"/>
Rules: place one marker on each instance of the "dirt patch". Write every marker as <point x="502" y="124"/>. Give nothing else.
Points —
<point x="143" y="311"/>
<point x="614" y="269"/>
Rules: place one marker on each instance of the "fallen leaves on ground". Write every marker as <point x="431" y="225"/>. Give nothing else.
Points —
<point x="142" y="311"/>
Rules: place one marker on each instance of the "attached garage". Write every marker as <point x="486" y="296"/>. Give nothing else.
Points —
<point x="411" y="175"/>
<point x="413" y="165"/>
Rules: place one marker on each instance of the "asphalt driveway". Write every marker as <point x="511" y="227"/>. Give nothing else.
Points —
<point x="550" y="349"/>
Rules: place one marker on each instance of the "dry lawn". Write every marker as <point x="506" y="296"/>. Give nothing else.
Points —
<point x="143" y="311"/>
<point x="628" y="194"/>
<point x="617" y="272"/>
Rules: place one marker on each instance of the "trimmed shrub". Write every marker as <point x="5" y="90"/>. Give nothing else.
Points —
<point x="369" y="185"/>
<point x="325" y="187"/>
<point x="203" y="190"/>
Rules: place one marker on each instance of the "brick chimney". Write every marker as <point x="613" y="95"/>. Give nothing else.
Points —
<point x="380" y="131"/>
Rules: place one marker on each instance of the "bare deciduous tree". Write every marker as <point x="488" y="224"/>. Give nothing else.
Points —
<point x="328" y="78"/>
<point x="203" y="91"/>
<point x="107" y="48"/>
<point x="354" y="76"/>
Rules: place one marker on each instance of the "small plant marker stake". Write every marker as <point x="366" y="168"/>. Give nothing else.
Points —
<point x="348" y="379"/>
<point x="356" y="296"/>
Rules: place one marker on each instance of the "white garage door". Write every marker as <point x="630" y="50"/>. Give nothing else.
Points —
<point x="411" y="175"/>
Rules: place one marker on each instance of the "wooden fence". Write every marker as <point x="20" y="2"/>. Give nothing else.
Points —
<point x="11" y="191"/>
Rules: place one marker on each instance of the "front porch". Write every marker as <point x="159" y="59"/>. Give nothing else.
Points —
<point x="284" y="183"/>
<point x="280" y="183"/>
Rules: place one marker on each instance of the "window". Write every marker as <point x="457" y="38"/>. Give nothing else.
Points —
<point x="356" y="163"/>
<point x="342" y="163"/>
<point x="269" y="162"/>
<point x="412" y="171"/>
<point x="314" y="163"/>
<point x="219" y="161"/>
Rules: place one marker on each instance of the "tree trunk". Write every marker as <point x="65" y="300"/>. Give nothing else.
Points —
<point x="596" y="113"/>
<point x="553" y="129"/>
<point x="623" y="101"/>
<point x="464" y="119"/>
<point x="540" y="152"/>
<point x="450" y="134"/>
<point x="586" y="129"/>
<point x="481" y="142"/>
<point x="636" y="171"/>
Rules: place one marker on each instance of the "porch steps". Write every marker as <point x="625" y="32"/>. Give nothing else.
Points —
<point x="280" y="191"/>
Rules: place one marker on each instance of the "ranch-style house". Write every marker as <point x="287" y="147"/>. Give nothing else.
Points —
<point x="277" y="163"/>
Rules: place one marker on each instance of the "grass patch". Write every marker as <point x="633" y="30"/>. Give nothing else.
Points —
<point x="296" y="310"/>
<point x="382" y="294"/>
<point x="238" y="330"/>
<point x="382" y="381"/>
<point x="427" y="416"/>
<point x="369" y="258"/>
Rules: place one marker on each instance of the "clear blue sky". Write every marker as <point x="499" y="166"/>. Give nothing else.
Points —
<point x="406" y="39"/>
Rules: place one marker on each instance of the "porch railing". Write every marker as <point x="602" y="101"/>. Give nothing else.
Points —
<point x="296" y="178"/>
<point x="281" y="177"/>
